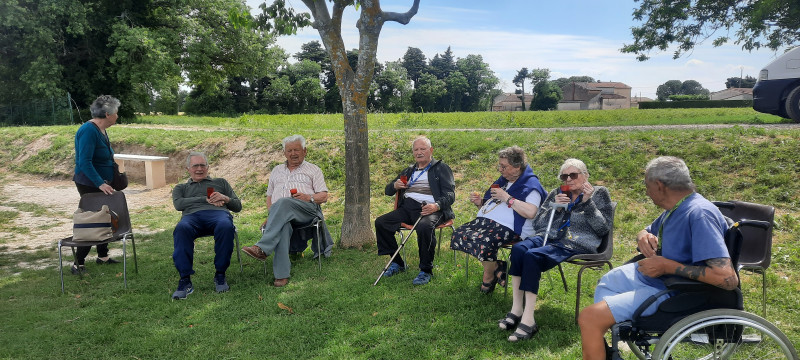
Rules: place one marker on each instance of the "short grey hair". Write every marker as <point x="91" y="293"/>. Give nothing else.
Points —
<point x="104" y="104"/>
<point x="294" y="138"/>
<point x="423" y="138"/>
<point x="193" y="154"/>
<point x="572" y="162"/>
<point x="670" y="171"/>
<point x="514" y="155"/>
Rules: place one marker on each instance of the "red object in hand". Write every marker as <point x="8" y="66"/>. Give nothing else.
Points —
<point x="293" y="191"/>
<point x="404" y="179"/>
<point x="495" y="186"/>
<point x="565" y="188"/>
<point x="209" y="191"/>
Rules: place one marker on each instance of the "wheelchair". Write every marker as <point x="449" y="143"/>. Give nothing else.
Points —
<point x="701" y="321"/>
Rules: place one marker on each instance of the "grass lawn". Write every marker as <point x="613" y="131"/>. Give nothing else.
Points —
<point x="336" y="312"/>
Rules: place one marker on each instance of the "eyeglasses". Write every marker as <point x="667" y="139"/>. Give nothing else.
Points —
<point x="501" y="167"/>
<point x="572" y="176"/>
<point x="200" y="166"/>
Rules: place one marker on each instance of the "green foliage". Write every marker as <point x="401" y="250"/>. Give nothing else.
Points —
<point x="695" y="104"/>
<point x="760" y="23"/>
<point x="546" y="96"/>
<point x="688" y="97"/>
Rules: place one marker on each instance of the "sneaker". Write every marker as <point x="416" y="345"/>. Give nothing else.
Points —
<point x="255" y="252"/>
<point x="422" y="278"/>
<point x="393" y="269"/>
<point x="220" y="283"/>
<point x="78" y="269"/>
<point x="109" y="261"/>
<point x="184" y="289"/>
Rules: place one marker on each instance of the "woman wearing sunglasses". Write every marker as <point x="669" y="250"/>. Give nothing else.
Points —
<point x="580" y="221"/>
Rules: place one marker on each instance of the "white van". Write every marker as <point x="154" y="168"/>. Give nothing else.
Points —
<point x="777" y="91"/>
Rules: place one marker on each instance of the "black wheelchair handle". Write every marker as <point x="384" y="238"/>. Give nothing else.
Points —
<point x="755" y="223"/>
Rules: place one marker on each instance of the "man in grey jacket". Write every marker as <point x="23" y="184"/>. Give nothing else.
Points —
<point x="206" y="204"/>
<point x="427" y="190"/>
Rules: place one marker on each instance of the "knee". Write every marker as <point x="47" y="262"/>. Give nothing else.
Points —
<point x="224" y="225"/>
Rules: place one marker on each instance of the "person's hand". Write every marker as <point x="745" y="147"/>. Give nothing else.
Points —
<point x="106" y="189"/>
<point x="499" y="194"/>
<point x="263" y="225"/>
<point x="588" y="190"/>
<point x="302" y="197"/>
<point x="218" y="199"/>
<point x="652" y="266"/>
<point x="429" y="209"/>
<point x="399" y="184"/>
<point x="476" y="198"/>
<point x="562" y="198"/>
<point x="648" y="243"/>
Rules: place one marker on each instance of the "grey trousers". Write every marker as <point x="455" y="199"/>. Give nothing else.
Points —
<point x="282" y="214"/>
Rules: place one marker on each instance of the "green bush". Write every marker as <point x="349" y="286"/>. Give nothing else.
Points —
<point x="696" y="104"/>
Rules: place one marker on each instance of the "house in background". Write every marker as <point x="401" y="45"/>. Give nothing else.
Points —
<point x="733" y="94"/>
<point x="595" y="96"/>
<point x="511" y="102"/>
<point x="636" y="100"/>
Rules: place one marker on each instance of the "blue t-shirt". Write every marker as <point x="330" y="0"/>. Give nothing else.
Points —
<point x="693" y="233"/>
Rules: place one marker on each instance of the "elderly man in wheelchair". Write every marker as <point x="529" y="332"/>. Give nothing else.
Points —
<point x="681" y="294"/>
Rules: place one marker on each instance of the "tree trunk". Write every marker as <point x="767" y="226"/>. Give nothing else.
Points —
<point x="356" y="224"/>
<point x="354" y="87"/>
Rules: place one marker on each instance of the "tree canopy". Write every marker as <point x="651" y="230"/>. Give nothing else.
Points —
<point x="752" y="23"/>
<point x="131" y="49"/>
<point x="676" y="87"/>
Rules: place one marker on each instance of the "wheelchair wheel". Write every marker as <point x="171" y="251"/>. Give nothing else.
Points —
<point x="724" y="334"/>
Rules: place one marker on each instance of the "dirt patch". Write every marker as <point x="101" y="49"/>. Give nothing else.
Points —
<point x="61" y="199"/>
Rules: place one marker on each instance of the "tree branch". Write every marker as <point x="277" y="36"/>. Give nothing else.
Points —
<point x="403" y="18"/>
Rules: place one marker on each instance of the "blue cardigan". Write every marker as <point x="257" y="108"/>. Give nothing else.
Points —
<point x="520" y="189"/>
<point x="94" y="158"/>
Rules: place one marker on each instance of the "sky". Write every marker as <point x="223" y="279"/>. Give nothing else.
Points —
<point x="569" y="37"/>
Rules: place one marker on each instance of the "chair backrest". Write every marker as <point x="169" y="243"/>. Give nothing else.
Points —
<point x="116" y="202"/>
<point x="606" y="248"/>
<point x="756" y="251"/>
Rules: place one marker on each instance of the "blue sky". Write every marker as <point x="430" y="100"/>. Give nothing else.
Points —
<point x="570" y="37"/>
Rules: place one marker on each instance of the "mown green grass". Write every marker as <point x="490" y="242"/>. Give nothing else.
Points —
<point x="491" y="120"/>
<point x="337" y="313"/>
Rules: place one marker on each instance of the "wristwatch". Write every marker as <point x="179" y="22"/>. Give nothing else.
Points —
<point x="510" y="201"/>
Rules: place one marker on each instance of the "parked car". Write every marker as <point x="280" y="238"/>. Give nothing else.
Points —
<point x="777" y="91"/>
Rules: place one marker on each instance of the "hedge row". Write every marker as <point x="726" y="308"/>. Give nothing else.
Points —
<point x="696" y="104"/>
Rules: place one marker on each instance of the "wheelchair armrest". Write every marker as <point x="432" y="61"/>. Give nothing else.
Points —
<point x="683" y="284"/>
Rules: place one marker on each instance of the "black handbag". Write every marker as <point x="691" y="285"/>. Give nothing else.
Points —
<point x="120" y="181"/>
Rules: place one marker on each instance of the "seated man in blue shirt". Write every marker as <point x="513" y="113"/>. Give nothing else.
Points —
<point x="206" y="204"/>
<point x="691" y="231"/>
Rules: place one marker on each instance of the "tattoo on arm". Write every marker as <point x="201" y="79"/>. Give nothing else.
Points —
<point x="691" y="272"/>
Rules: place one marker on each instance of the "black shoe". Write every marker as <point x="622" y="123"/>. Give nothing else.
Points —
<point x="109" y="261"/>
<point x="184" y="289"/>
<point x="220" y="283"/>
<point x="78" y="269"/>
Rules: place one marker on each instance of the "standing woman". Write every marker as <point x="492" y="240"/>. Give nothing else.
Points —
<point x="505" y="215"/>
<point x="578" y="229"/>
<point x="94" y="165"/>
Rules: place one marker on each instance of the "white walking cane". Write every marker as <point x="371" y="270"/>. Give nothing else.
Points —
<point x="555" y="206"/>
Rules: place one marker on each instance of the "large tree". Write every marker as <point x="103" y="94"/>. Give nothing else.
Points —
<point x="415" y="63"/>
<point x="751" y="23"/>
<point x="737" y="82"/>
<point x="354" y="86"/>
<point x="134" y="50"/>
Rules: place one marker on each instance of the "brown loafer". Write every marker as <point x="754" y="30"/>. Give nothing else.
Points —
<point x="280" y="282"/>
<point x="255" y="252"/>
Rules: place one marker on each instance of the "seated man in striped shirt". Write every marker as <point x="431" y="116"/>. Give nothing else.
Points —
<point x="295" y="190"/>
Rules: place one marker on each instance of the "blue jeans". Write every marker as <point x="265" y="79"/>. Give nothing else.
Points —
<point x="203" y="223"/>
<point x="529" y="259"/>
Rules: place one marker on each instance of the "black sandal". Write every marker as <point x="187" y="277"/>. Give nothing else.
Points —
<point x="524" y="332"/>
<point x="501" y="273"/>
<point x="510" y="321"/>
<point x="488" y="288"/>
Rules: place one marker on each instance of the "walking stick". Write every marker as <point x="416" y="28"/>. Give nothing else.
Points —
<point x="552" y="213"/>
<point x="402" y="244"/>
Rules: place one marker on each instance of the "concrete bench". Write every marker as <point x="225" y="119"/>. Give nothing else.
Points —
<point x="154" y="168"/>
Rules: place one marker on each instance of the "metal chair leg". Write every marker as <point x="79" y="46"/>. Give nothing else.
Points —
<point x="124" y="262"/>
